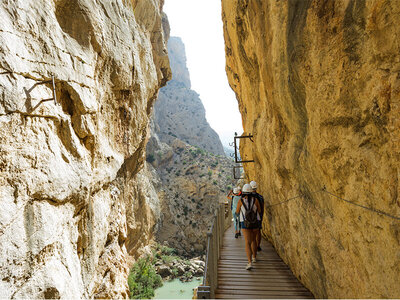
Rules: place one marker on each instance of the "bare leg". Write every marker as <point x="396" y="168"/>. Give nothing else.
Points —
<point x="236" y="223"/>
<point x="248" y="238"/>
<point x="258" y="237"/>
<point x="254" y="244"/>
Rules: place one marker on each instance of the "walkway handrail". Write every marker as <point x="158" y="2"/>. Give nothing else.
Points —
<point x="221" y="221"/>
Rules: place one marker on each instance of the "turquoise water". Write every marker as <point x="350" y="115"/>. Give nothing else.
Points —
<point x="175" y="289"/>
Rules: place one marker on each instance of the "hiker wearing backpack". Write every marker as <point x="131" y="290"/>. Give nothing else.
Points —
<point x="235" y="200"/>
<point x="248" y="210"/>
<point x="235" y="196"/>
<point x="260" y="198"/>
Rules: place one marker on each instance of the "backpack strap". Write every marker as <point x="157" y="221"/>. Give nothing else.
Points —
<point x="248" y="207"/>
<point x="241" y="199"/>
<point x="252" y="202"/>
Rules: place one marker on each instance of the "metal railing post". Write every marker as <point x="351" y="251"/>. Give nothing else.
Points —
<point x="214" y="282"/>
<point x="222" y="222"/>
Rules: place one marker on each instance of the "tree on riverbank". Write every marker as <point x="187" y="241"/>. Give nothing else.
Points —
<point x="143" y="279"/>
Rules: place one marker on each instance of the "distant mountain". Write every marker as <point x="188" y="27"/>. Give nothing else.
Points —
<point x="178" y="111"/>
<point x="190" y="167"/>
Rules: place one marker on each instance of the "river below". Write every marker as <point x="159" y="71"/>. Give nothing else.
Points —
<point x="175" y="289"/>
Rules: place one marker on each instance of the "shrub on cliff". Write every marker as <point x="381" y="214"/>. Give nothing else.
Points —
<point x="143" y="279"/>
<point x="150" y="158"/>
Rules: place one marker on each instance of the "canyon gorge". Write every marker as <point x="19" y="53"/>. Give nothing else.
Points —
<point x="191" y="169"/>
<point x="318" y="86"/>
<point x="105" y="148"/>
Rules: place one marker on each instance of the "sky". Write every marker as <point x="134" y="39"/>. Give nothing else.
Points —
<point x="198" y="23"/>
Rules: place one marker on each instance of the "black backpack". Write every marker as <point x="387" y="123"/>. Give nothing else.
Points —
<point x="261" y="201"/>
<point x="250" y="216"/>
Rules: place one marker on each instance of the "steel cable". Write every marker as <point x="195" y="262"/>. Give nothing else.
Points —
<point x="338" y="197"/>
<point x="362" y="206"/>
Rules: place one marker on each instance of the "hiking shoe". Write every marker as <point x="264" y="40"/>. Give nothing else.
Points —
<point x="236" y="235"/>
<point x="253" y="260"/>
<point x="259" y="248"/>
<point x="249" y="266"/>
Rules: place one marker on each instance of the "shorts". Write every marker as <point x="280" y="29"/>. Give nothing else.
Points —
<point x="244" y="227"/>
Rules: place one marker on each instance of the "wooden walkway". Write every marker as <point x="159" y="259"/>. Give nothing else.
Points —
<point x="270" y="277"/>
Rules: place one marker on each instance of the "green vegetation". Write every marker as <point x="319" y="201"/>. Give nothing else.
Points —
<point x="200" y="151"/>
<point x="174" y="272"/>
<point x="165" y="250"/>
<point x="143" y="279"/>
<point x="214" y="164"/>
<point x="150" y="158"/>
<point x="194" y="153"/>
<point x="209" y="174"/>
<point x="215" y="182"/>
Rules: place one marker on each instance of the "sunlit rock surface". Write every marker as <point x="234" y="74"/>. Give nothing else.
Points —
<point x="318" y="87"/>
<point x="72" y="200"/>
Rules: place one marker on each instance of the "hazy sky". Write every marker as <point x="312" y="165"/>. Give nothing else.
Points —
<point x="199" y="24"/>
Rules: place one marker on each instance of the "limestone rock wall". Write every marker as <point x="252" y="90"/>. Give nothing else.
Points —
<point x="318" y="86"/>
<point x="73" y="201"/>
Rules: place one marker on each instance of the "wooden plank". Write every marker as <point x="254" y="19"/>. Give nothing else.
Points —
<point x="239" y="265"/>
<point x="244" y="296"/>
<point x="266" y="279"/>
<point x="263" y="288"/>
<point x="254" y="267"/>
<point x="243" y="271"/>
<point x="270" y="277"/>
<point x="263" y="293"/>
<point x="259" y="281"/>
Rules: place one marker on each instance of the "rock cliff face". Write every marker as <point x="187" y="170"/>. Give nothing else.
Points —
<point x="192" y="172"/>
<point x="179" y="112"/>
<point x="191" y="183"/>
<point x="73" y="199"/>
<point x="318" y="86"/>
